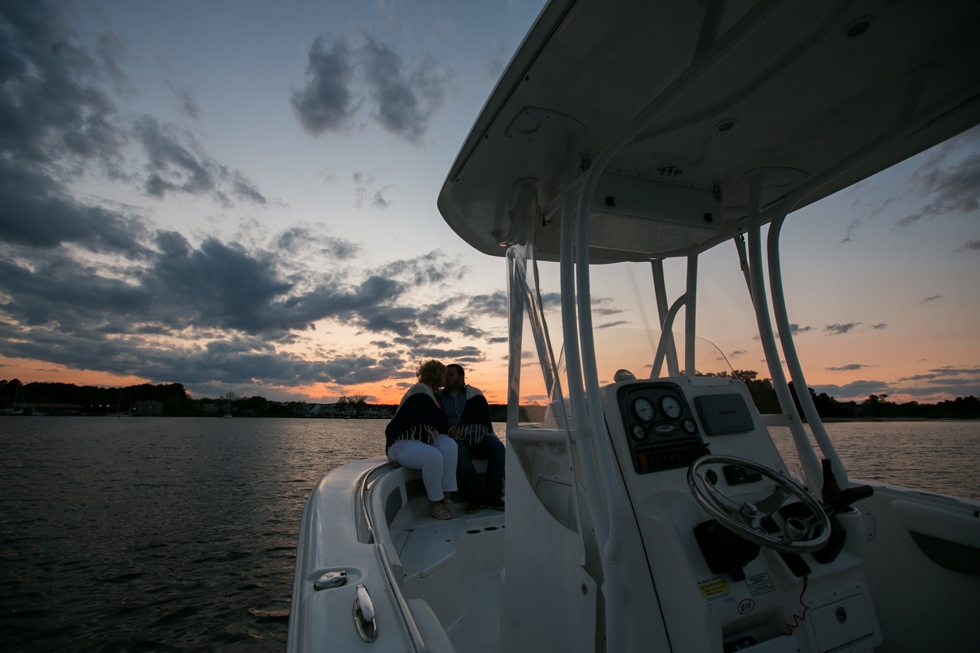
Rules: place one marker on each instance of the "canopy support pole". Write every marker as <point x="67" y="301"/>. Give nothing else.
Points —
<point x="660" y="290"/>
<point x="792" y="358"/>
<point x="515" y="339"/>
<point x="808" y="459"/>
<point x="667" y="338"/>
<point x="690" y="315"/>
<point x="743" y="261"/>
<point x="576" y="426"/>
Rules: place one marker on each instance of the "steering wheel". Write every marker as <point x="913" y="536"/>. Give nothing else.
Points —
<point x="796" y="535"/>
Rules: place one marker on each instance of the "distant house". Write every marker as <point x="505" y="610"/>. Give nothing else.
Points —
<point x="59" y="409"/>
<point x="149" y="407"/>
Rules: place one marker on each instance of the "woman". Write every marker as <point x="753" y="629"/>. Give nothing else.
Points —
<point x="415" y="439"/>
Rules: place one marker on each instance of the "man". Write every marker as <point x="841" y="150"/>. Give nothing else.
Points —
<point x="468" y="416"/>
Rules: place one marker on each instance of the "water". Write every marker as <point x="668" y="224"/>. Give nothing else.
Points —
<point x="938" y="456"/>
<point x="179" y="534"/>
<point x="159" y="533"/>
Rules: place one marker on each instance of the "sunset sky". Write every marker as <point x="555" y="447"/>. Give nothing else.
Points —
<point x="241" y="196"/>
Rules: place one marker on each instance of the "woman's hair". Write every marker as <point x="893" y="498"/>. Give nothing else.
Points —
<point x="430" y="373"/>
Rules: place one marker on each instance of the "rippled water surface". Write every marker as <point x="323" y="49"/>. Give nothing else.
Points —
<point x="174" y="534"/>
<point x="158" y="533"/>
<point x="938" y="456"/>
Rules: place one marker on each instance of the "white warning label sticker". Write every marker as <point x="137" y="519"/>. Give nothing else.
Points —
<point x="759" y="584"/>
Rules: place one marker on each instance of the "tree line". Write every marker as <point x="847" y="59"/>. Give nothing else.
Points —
<point x="97" y="400"/>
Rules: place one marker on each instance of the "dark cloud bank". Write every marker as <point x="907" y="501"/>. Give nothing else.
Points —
<point x="89" y="285"/>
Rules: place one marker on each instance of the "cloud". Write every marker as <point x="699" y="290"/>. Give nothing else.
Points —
<point x="339" y="78"/>
<point x="379" y="199"/>
<point x="90" y="284"/>
<point x="174" y="166"/>
<point x="953" y="188"/>
<point x="971" y="245"/>
<point x="420" y="340"/>
<point x="737" y="353"/>
<point x="186" y="103"/>
<point x="849" y="367"/>
<point x="794" y="329"/>
<point x="855" y="390"/>
<point x="227" y="361"/>
<point x="301" y="240"/>
<point x="365" y="182"/>
<point x="58" y="123"/>
<point x="429" y="268"/>
<point x="37" y="211"/>
<point x="879" y="326"/>
<point x="326" y="103"/>
<point x="932" y="299"/>
<point x="839" y="329"/>
<point x="404" y="99"/>
<point x="496" y="341"/>
<point x="494" y="61"/>
<point x="849" y="233"/>
<point x="226" y="295"/>
<point x="466" y="354"/>
<point x="55" y="111"/>
<point x="599" y="306"/>
<point x="492" y="305"/>
<point x="610" y="325"/>
<point x="946" y="371"/>
<point x="942" y="382"/>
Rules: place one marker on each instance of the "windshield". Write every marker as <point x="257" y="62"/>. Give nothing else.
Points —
<point x="627" y="334"/>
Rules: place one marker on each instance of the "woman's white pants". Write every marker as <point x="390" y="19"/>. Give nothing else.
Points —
<point x="437" y="462"/>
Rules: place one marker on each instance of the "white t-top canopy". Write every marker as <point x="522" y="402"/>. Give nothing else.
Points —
<point x="814" y="84"/>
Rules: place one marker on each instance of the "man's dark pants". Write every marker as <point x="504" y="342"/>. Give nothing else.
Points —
<point x="491" y="449"/>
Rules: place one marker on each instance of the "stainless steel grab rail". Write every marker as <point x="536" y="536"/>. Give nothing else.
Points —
<point x="406" y="614"/>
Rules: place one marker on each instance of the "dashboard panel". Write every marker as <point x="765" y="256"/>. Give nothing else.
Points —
<point x="660" y="427"/>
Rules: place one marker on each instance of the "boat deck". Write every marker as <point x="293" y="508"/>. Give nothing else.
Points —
<point x="457" y="567"/>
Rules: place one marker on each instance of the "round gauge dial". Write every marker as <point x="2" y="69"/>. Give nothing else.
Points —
<point x="671" y="407"/>
<point x="644" y="409"/>
<point x="690" y="426"/>
<point x="638" y="432"/>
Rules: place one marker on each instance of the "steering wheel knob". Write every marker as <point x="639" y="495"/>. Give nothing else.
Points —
<point x="795" y="529"/>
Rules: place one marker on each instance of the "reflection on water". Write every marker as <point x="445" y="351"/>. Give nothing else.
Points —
<point x="150" y="534"/>
<point x="180" y="534"/>
<point x="937" y="456"/>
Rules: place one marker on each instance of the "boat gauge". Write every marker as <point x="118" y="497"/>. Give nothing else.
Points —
<point x="690" y="426"/>
<point x="671" y="407"/>
<point x="638" y="432"/>
<point x="644" y="409"/>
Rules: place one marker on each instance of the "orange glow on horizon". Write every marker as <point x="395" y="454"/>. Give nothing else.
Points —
<point x="34" y="371"/>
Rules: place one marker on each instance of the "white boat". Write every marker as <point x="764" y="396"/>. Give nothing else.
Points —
<point x="656" y="514"/>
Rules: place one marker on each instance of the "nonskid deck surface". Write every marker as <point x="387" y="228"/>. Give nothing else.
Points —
<point x="457" y="567"/>
<point x="425" y="543"/>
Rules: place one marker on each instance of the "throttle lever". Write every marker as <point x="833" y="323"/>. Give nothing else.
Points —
<point x="847" y="497"/>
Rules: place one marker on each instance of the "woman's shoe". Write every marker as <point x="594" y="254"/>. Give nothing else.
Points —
<point x="450" y="507"/>
<point x="440" y="511"/>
